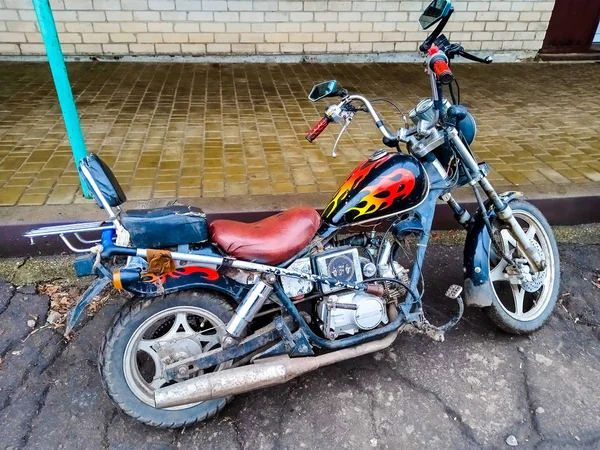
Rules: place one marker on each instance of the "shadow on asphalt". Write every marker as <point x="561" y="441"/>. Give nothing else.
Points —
<point x="469" y="392"/>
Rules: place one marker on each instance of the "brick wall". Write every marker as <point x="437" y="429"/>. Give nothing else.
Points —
<point x="200" y="27"/>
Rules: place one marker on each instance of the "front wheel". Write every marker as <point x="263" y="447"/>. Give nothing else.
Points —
<point x="145" y="335"/>
<point x="523" y="302"/>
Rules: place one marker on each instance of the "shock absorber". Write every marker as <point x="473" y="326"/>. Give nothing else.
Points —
<point x="252" y="303"/>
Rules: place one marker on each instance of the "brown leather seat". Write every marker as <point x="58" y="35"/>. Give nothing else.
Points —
<point x="269" y="241"/>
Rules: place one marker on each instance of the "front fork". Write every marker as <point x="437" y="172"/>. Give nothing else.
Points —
<point x="503" y="210"/>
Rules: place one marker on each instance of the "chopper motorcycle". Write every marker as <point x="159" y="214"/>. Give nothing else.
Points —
<point x="228" y="307"/>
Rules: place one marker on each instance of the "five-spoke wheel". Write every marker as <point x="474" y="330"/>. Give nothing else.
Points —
<point x="148" y="335"/>
<point x="523" y="299"/>
<point x="169" y="336"/>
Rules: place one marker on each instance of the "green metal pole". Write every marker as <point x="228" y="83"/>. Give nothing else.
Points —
<point x="61" y="81"/>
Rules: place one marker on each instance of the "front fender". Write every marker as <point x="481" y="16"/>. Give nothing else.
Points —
<point x="478" y="290"/>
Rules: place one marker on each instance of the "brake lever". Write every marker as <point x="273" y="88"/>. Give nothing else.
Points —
<point x="348" y="119"/>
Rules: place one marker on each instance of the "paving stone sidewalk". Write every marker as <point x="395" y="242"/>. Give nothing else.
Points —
<point x="219" y="130"/>
<point x="470" y="392"/>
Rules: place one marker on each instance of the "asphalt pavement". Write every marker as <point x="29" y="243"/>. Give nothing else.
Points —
<point x="472" y="391"/>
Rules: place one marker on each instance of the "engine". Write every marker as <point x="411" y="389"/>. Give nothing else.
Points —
<point x="351" y="312"/>
<point x="343" y="312"/>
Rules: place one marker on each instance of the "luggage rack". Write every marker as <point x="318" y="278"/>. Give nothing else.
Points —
<point x="73" y="229"/>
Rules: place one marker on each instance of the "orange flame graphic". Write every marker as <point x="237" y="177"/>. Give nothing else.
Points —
<point x="209" y="274"/>
<point x="397" y="184"/>
<point x="352" y="181"/>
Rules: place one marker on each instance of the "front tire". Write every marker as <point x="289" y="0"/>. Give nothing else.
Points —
<point x="182" y="324"/>
<point x="524" y="307"/>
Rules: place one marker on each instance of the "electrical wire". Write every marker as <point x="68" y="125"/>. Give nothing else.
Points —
<point x="453" y="180"/>
<point x="457" y="90"/>
<point x="391" y="261"/>
<point x="454" y="102"/>
<point x="385" y="237"/>
<point x="381" y="99"/>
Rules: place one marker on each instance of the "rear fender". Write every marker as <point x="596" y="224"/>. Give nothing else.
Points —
<point x="187" y="277"/>
<point x="478" y="289"/>
<point x="74" y="314"/>
<point x="150" y="285"/>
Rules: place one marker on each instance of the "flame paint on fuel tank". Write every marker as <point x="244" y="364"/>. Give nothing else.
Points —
<point x="378" y="188"/>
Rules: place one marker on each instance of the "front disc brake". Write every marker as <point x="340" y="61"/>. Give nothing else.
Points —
<point x="537" y="279"/>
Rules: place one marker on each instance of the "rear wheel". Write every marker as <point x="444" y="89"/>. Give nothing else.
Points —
<point x="148" y="334"/>
<point x="522" y="304"/>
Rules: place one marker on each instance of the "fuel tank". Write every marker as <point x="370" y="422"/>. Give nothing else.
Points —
<point x="383" y="185"/>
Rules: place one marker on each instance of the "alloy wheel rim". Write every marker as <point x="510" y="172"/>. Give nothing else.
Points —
<point x="517" y="302"/>
<point x="205" y="337"/>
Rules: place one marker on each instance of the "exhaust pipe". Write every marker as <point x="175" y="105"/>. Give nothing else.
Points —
<point x="270" y="372"/>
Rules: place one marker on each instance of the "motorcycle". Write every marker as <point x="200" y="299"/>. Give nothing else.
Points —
<point x="228" y="307"/>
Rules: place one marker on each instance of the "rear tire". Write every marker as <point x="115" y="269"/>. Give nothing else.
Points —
<point x="523" y="309"/>
<point x="126" y="386"/>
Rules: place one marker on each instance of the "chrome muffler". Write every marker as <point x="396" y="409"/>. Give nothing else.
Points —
<point x="266" y="373"/>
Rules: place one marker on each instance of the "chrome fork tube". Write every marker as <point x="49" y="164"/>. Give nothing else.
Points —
<point x="503" y="210"/>
<point x="251" y="304"/>
<point x="463" y="151"/>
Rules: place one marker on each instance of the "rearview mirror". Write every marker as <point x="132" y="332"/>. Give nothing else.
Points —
<point x="322" y="90"/>
<point x="435" y="11"/>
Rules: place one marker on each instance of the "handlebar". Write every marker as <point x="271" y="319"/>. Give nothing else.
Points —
<point x="317" y="129"/>
<point x="378" y="122"/>
<point x="452" y="50"/>
<point x="333" y="115"/>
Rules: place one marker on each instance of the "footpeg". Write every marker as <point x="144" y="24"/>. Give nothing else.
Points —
<point x="454" y="291"/>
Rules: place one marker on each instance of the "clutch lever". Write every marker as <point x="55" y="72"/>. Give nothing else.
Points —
<point x="486" y="60"/>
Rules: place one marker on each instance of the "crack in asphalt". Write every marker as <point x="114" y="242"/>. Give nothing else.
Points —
<point x="372" y="402"/>
<point x="463" y="427"/>
<point x="11" y="294"/>
<point x="41" y="402"/>
<point x="19" y="341"/>
<point x="39" y="363"/>
<point x="238" y="436"/>
<point x="529" y="403"/>
<point x="372" y="405"/>
<point x="107" y="424"/>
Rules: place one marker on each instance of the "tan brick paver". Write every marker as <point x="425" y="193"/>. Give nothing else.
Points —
<point x="214" y="130"/>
